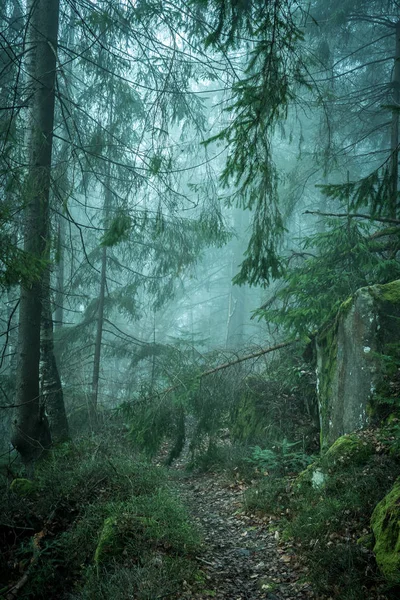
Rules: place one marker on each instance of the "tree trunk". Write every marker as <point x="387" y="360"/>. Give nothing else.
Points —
<point x="97" y="346"/>
<point x="237" y="305"/>
<point x="52" y="399"/>
<point x="93" y="413"/>
<point x="64" y="187"/>
<point x="31" y="433"/>
<point x="395" y="127"/>
<point x="59" y="297"/>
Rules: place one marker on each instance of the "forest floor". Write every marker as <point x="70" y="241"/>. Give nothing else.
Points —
<point x="242" y="557"/>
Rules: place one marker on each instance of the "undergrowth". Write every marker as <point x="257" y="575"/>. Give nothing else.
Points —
<point x="329" y="521"/>
<point x="97" y="522"/>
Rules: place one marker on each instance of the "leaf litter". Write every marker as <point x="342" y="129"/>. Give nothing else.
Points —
<point x="243" y="557"/>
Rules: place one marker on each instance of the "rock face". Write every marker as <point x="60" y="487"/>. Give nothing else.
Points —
<point x="348" y="358"/>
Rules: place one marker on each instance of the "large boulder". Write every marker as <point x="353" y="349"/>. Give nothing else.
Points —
<point x="348" y="358"/>
<point x="385" y="523"/>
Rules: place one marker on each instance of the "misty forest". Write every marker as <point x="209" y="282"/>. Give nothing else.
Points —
<point x="199" y="299"/>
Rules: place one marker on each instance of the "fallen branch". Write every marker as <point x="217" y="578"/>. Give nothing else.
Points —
<point x="231" y="363"/>
<point x="248" y="357"/>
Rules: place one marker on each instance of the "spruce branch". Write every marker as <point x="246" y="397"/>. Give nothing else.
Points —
<point x="351" y="216"/>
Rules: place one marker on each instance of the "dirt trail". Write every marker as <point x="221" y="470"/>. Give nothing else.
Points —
<point x="241" y="559"/>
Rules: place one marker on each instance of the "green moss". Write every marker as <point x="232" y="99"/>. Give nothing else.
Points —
<point x="347" y="448"/>
<point x="366" y="541"/>
<point x="24" y="487"/>
<point x="248" y="419"/>
<point x="108" y="543"/>
<point x="389" y="292"/>
<point x="385" y="523"/>
<point x="346" y="306"/>
<point x="305" y="479"/>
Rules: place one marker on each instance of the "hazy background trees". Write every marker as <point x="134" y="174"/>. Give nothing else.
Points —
<point x="189" y="142"/>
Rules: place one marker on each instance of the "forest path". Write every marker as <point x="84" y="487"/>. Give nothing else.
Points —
<point x="241" y="557"/>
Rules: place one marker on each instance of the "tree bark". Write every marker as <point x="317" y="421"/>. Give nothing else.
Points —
<point x="31" y="432"/>
<point x="237" y="309"/>
<point x="52" y="398"/>
<point x="93" y="403"/>
<point x="395" y="126"/>
<point x="97" y="346"/>
<point x="59" y="296"/>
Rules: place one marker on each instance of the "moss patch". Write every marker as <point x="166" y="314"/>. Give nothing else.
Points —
<point x="385" y="523"/>
<point x="347" y="448"/>
<point x="108" y="542"/>
<point x="25" y="488"/>
<point x="389" y="292"/>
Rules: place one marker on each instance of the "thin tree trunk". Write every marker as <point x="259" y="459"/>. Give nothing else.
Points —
<point x="237" y="294"/>
<point x="97" y="346"/>
<point x="93" y="404"/>
<point x="59" y="298"/>
<point x="64" y="189"/>
<point x="52" y="399"/>
<point x="31" y="432"/>
<point x="395" y="127"/>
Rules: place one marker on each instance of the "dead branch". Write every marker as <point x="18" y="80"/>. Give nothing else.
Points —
<point x="248" y="357"/>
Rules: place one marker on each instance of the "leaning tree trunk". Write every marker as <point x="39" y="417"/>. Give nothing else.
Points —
<point x="51" y="397"/>
<point x="31" y="432"/>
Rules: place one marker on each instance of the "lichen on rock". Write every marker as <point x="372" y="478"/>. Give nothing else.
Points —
<point x="385" y="523"/>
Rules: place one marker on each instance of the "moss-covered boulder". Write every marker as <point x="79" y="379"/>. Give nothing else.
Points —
<point x="367" y="326"/>
<point x="346" y="450"/>
<point x="25" y="488"/>
<point x="385" y="523"/>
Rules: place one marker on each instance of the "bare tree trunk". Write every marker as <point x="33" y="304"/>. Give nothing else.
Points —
<point x="93" y="412"/>
<point x="395" y="127"/>
<point x="64" y="192"/>
<point x="99" y="335"/>
<point x="59" y="297"/>
<point x="237" y="309"/>
<point x="31" y="431"/>
<point x="52" y="399"/>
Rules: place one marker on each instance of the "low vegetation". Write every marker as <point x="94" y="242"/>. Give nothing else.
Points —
<point x="325" y="511"/>
<point x="97" y="522"/>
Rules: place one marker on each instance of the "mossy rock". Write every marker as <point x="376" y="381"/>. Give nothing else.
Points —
<point x="312" y="476"/>
<point x="388" y="292"/>
<point x="366" y="541"/>
<point x="109" y="543"/>
<point x="385" y="523"/>
<point x="25" y="488"/>
<point x="347" y="448"/>
<point x="352" y="359"/>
